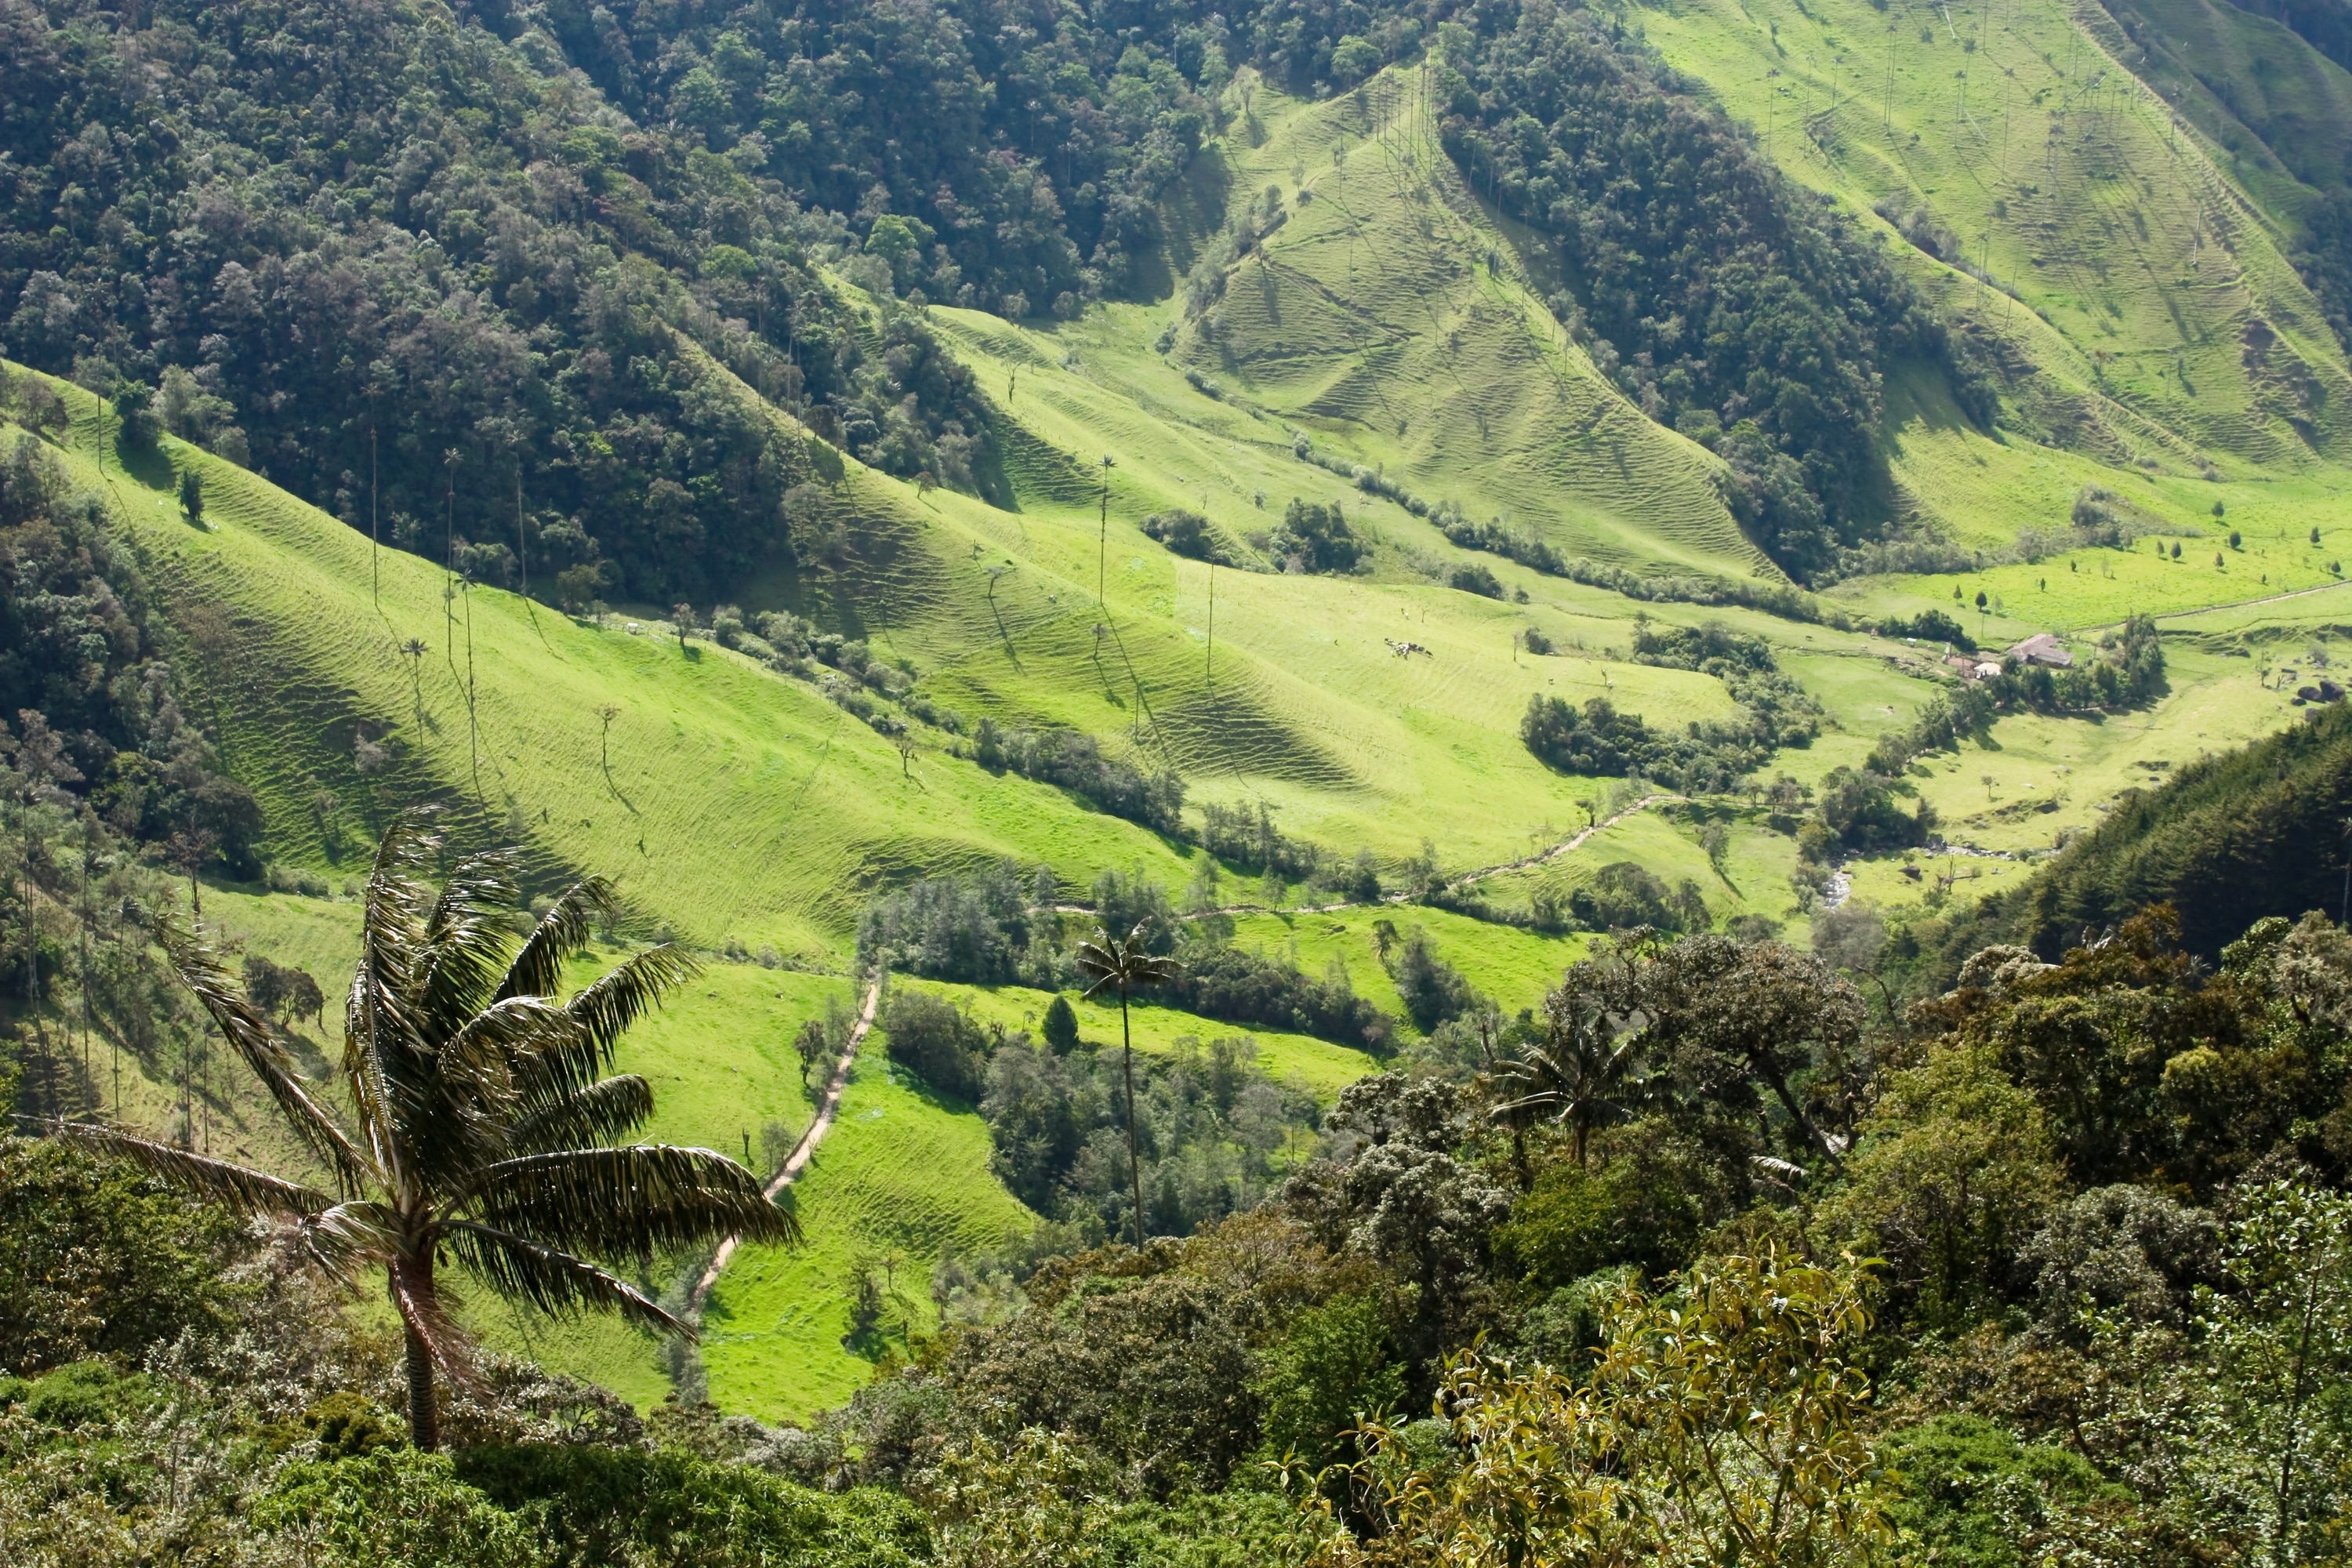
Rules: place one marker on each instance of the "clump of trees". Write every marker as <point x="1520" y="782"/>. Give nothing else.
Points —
<point x="1624" y="895"/>
<point x="1929" y="626"/>
<point x="1188" y="533"/>
<point x="91" y="705"/>
<point x="1075" y="760"/>
<point x="1599" y="740"/>
<point x="1217" y="1134"/>
<point x="1315" y="537"/>
<point x="995" y="928"/>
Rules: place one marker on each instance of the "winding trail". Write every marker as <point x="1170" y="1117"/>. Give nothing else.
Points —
<point x="803" y="1152"/>
<point x="1568" y="845"/>
<point x="2210" y="609"/>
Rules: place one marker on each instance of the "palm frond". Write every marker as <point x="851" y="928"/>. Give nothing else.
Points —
<point x="607" y="1007"/>
<point x="349" y="1238"/>
<point x="467" y="942"/>
<point x="550" y="1278"/>
<point x="383" y="1047"/>
<point x="251" y="1036"/>
<point x="237" y="1188"/>
<point x="374" y="1031"/>
<point x="609" y="1109"/>
<point x="491" y="1058"/>
<point x="627" y="1202"/>
<point x="1123" y="963"/>
<point x="538" y="968"/>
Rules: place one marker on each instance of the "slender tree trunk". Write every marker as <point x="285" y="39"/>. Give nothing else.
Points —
<point x="414" y="1277"/>
<point x="1789" y="1103"/>
<point x="1134" y="1158"/>
<point x="423" y="1419"/>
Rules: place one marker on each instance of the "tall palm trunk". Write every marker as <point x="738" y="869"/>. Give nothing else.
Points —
<point x="412" y="1276"/>
<point x="1134" y="1158"/>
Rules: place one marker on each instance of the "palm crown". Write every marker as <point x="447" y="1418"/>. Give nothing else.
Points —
<point x="481" y="1124"/>
<point x="1586" y="1071"/>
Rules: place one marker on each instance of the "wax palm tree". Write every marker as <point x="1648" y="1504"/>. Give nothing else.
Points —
<point x="1586" y="1071"/>
<point x="479" y="1125"/>
<point x="1108" y="961"/>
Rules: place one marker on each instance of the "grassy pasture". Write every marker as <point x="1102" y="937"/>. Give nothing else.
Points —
<point x="1393" y="320"/>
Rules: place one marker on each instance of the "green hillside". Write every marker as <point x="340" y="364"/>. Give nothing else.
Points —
<point x="2124" y="269"/>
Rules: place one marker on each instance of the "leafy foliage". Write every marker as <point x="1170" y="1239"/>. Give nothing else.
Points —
<point x="84" y="676"/>
<point x="98" y="1260"/>
<point x="1216" y="1135"/>
<point x="1315" y="537"/>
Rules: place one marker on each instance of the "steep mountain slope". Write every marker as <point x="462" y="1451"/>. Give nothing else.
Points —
<point x="1286" y="290"/>
<point x="2142" y="306"/>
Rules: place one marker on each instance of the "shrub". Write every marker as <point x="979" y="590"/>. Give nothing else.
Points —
<point x="1475" y="579"/>
<point x="1188" y="533"/>
<point x="1315" y="538"/>
<point x="936" y="1041"/>
<point x="1432" y="990"/>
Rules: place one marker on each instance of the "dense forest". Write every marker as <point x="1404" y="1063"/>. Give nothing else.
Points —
<point x="508" y="286"/>
<point x="2052" y="1264"/>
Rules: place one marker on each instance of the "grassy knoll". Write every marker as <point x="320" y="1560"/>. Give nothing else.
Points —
<point x="2169" y="341"/>
<point x="901" y="1176"/>
<point x="736" y="803"/>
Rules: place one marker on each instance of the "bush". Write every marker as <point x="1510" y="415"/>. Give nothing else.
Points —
<point x="395" y="1508"/>
<point x="973" y="932"/>
<point x="1075" y="760"/>
<point x="1432" y="990"/>
<point x="1596" y="740"/>
<point x="626" y="1505"/>
<point x="1624" y="895"/>
<point x="97" y="1260"/>
<point x="1061" y="1026"/>
<point x="1336" y="1366"/>
<point x="938" y="1042"/>
<point x="1315" y="537"/>
<point x="1929" y="626"/>
<point x="1190" y="534"/>
<point x="1224" y="982"/>
<point x="1475" y="579"/>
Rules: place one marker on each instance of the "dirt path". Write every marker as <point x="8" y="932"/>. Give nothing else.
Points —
<point x="803" y="1152"/>
<point x="2215" y="609"/>
<point x="1568" y="845"/>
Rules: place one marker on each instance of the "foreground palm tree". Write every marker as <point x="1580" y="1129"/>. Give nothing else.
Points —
<point x="1109" y="961"/>
<point x="478" y="1122"/>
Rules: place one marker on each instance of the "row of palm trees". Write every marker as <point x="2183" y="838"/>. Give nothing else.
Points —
<point x="484" y="1119"/>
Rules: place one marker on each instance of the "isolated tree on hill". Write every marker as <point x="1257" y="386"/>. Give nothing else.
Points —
<point x="192" y="494"/>
<point x="811" y="1046"/>
<point x="414" y="650"/>
<point x="606" y="711"/>
<point x="479" y="1115"/>
<point x="1125" y="963"/>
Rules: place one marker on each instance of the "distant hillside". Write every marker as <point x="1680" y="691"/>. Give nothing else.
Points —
<point x="2226" y="840"/>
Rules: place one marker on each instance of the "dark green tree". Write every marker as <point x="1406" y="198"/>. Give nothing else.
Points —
<point x="1061" y="1026"/>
